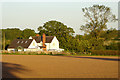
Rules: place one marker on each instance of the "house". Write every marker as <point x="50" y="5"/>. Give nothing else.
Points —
<point x="23" y="45"/>
<point x="35" y="43"/>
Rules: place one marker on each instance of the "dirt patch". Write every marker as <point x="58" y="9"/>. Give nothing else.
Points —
<point x="46" y="66"/>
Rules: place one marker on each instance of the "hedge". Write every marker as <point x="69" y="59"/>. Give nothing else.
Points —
<point x="105" y="52"/>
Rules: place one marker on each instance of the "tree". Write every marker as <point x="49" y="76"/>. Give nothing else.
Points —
<point x="97" y="18"/>
<point x="79" y="37"/>
<point x="55" y="28"/>
<point x="61" y="31"/>
<point x="10" y="34"/>
<point x="109" y="34"/>
<point x="84" y="45"/>
<point x="26" y="33"/>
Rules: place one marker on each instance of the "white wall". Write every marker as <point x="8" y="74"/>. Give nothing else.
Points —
<point x="33" y="44"/>
<point x="48" y="46"/>
<point x="54" y="44"/>
<point x="25" y="49"/>
<point x="33" y="49"/>
<point x="30" y="37"/>
<point x="39" y="44"/>
<point x="10" y="49"/>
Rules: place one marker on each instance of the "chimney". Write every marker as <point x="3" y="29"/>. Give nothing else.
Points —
<point x="37" y="34"/>
<point x="44" y="40"/>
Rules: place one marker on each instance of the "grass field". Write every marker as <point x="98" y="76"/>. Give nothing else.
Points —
<point x="49" y="66"/>
<point x="56" y="54"/>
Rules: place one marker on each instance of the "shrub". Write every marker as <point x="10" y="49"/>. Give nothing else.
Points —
<point x="113" y="46"/>
<point x="50" y="53"/>
<point x="104" y="52"/>
<point x="42" y="53"/>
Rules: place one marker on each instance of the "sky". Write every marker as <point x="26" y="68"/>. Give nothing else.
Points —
<point x="34" y="14"/>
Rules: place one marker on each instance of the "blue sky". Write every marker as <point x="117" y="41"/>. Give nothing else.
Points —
<point x="34" y="14"/>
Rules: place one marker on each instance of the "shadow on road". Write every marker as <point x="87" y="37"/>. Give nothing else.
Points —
<point x="9" y="68"/>
<point x="109" y="59"/>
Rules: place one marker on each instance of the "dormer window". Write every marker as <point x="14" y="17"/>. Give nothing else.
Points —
<point x="22" y="42"/>
<point x="25" y="41"/>
<point x="18" y="42"/>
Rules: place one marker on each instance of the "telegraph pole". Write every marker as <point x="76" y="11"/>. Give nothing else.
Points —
<point x="4" y="41"/>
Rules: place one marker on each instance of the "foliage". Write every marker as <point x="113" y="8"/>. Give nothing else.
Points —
<point x="61" y="31"/>
<point x="105" y="52"/>
<point x="55" y="28"/>
<point x="97" y="18"/>
<point x="15" y="33"/>
<point x="109" y="34"/>
<point x="12" y="33"/>
<point x="113" y="46"/>
<point x="79" y="37"/>
<point x="96" y="25"/>
<point x="26" y="33"/>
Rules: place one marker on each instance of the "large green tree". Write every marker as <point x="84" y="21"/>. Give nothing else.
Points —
<point x="97" y="18"/>
<point x="60" y="30"/>
<point x="12" y="33"/>
<point x="26" y="33"/>
<point x="8" y="35"/>
<point x="55" y="28"/>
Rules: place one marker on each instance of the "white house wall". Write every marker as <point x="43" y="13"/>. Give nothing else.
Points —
<point x="33" y="44"/>
<point x="54" y="44"/>
<point x="39" y="44"/>
<point x="11" y="49"/>
<point x="30" y="37"/>
<point x="33" y="49"/>
<point x="48" y="46"/>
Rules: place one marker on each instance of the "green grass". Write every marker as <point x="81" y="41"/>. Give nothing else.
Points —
<point x="91" y="55"/>
<point x="12" y="54"/>
<point x="30" y="54"/>
<point x="54" y="54"/>
<point x="23" y="54"/>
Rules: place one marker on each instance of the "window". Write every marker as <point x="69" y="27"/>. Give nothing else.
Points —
<point x="25" y="41"/>
<point x="22" y="41"/>
<point x="18" y="41"/>
<point x="53" y="44"/>
<point x="33" y="44"/>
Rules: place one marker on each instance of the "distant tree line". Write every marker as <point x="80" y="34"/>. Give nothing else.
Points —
<point x="96" y="37"/>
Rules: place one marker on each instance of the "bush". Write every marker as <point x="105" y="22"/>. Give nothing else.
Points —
<point x="42" y="53"/>
<point x="104" y="52"/>
<point x="50" y="53"/>
<point x="113" y="46"/>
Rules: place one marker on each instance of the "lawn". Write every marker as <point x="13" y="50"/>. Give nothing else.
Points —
<point x="55" y="54"/>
